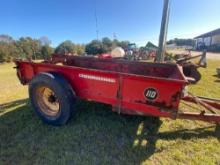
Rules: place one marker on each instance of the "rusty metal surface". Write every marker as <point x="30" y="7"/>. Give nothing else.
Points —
<point x="210" y="105"/>
<point x="116" y="82"/>
<point x="149" y="69"/>
<point x="130" y="87"/>
<point x="199" y="116"/>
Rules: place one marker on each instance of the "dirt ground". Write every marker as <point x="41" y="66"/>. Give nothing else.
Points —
<point x="210" y="55"/>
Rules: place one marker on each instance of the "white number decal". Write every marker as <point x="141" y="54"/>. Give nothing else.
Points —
<point x="150" y="93"/>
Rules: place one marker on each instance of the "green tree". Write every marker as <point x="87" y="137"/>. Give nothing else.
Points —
<point x="107" y="44"/>
<point x="124" y="44"/>
<point x="115" y="43"/>
<point x="182" y="42"/>
<point x="46" y="51"/>
<point x="8" y="51"/>
<point x="1" y="56"/>
<point x="7" y="48"/>
<point x="80" y="49"/>
<point x="28" y="47"/>
<point x="66" y="47"/>
<point x="25" y="47"/>
<point x="94" y="48"/>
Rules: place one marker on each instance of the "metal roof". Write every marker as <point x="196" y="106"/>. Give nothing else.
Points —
<point x="212" y="33"/>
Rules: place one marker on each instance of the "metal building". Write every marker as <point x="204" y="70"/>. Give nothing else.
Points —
<point x="208" y="39"/>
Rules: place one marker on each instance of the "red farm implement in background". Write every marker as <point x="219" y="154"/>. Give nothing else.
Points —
<point x="131" y="87"/>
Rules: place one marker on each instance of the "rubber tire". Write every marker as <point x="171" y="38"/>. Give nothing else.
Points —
<point x="190" y="70"/>
<point x="63" y="91"/>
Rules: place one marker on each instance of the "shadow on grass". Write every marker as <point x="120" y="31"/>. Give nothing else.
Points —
<point x="218" y="78"/>
<point x="12" y="104"/>
<point x="95" y="135"/>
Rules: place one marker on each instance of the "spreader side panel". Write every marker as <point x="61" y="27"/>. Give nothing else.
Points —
<point x="151" y="96"/>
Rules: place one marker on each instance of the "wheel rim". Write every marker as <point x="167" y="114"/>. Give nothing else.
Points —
<point x="47" y="101"/>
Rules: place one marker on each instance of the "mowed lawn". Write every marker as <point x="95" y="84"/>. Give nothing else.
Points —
<point x="96" y="135"/>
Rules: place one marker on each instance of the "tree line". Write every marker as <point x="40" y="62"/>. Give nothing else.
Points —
<point x="24" y="47"/>
<point x="182" y="42"/>
<point x="31" y="48"/>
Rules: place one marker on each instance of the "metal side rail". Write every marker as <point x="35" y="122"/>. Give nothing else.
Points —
<point x="209" y="104"/>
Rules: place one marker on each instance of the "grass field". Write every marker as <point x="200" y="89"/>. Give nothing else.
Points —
<point x="95" y="135"/>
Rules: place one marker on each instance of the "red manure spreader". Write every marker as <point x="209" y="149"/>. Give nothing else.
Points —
<point x="131" y="87"/>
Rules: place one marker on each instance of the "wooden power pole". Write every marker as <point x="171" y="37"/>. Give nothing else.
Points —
<point x="163" y="32"/>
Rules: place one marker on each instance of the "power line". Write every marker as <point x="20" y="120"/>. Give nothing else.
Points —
<point x="96" y="23"/>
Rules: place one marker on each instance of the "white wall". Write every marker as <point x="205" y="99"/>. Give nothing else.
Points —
<point x="216" y="39"/>
<point x="207" y="41"/>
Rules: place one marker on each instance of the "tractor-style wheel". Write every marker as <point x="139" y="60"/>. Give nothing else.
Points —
<point x="47" y="101"/>
<point x="52" y="98"/>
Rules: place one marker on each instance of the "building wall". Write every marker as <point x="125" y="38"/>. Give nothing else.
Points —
<point x="207" y="41"/>
<point x="198" y="41"/>
<point x="216" y="39"/>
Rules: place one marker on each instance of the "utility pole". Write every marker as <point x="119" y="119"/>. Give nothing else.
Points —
<point x="163" y="31"/>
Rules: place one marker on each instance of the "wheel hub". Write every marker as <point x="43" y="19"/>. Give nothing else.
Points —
<point x="47" y="101"/>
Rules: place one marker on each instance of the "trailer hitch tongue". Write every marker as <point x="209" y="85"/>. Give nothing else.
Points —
<point x="203" y="103"/>
<point x="211" y="105"/>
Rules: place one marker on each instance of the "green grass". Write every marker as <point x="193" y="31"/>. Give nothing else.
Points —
<point x="95" y="135"/>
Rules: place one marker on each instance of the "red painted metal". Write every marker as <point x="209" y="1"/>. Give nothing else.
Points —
<point x="210" y="104"/>
<point x="104" y="55"/>
<point x="130" y="87"/>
